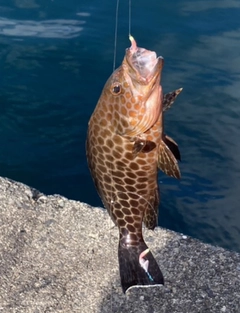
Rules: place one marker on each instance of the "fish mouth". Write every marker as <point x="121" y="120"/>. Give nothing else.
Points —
<point x="144" y="64"/>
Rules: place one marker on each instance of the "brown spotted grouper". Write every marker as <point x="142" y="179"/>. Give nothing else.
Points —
<point x="126" y="145"/>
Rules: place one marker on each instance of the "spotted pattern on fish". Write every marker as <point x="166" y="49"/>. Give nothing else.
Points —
<point x="125" y="147"/>
<point x="126" y="183"/>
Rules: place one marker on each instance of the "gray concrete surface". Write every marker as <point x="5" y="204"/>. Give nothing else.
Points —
<point x="59" y="255"/>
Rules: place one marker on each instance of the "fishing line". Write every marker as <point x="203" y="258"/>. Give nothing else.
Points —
<point x="129" y="17"/>
<point x="116" y="28"/>
<point x="115" y="36"/>
<point x="114" y="66"/>
<point x="112" y="191"/>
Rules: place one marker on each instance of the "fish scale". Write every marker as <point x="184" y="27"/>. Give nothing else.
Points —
<point x="124" y="140"/>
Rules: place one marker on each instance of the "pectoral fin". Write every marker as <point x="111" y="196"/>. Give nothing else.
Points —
<point x="168" y="156"/>
<point x="169" y="98"/>
<point x="144" y="146"/>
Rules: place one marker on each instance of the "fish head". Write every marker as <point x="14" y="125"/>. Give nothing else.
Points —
<point x="136" y="93"/>
<point x="142" y="67"/>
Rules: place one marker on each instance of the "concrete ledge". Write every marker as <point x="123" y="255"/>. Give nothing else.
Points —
<point x="59" y="255"/>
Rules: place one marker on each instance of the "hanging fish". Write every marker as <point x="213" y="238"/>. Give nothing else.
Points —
<point x="126" y="145"/>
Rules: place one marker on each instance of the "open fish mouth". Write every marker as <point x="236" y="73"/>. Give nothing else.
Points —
<point x="143" y="62"/>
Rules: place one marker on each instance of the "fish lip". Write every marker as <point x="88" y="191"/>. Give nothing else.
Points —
<point x="144" y="64"/>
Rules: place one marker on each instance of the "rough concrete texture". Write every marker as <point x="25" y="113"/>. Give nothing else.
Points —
<point x="58" y="255"/>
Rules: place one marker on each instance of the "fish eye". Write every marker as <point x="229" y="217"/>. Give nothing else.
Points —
<point x="116" y="89"/>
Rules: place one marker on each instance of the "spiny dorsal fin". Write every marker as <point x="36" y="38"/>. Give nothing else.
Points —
<point x="169" y="98"/>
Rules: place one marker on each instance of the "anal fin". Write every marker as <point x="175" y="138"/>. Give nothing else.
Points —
<point x="168" y="155"/>
<point x="150" y="217"/>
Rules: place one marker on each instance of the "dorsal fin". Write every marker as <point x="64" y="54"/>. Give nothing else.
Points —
<point x="173" y="146"/>
<point x="167" y="157"/>
<point x="169" y="98"/>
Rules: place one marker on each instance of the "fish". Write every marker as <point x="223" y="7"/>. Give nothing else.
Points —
<point x="126" y="146"/>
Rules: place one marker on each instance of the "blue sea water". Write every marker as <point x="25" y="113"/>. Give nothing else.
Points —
<point x="55" y="57"/>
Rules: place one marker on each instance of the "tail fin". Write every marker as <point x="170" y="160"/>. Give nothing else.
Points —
<point x="138" y="266"/>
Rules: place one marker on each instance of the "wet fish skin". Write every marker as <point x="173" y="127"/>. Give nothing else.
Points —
<point x="125" y="146"/>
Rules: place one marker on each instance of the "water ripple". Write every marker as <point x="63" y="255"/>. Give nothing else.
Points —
<point x="58" y="28"/>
